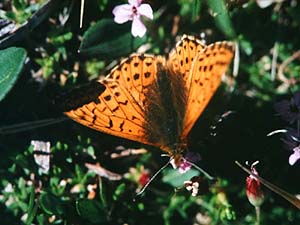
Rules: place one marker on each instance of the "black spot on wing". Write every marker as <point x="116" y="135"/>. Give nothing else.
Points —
<point x="107" y="98"/>
<point x="147" y="74"/>
<point x="136" y="76"/>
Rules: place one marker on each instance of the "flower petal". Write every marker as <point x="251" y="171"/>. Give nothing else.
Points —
<point x="184" y="166"/>
<point x="145" y="10"/>
<point x="182" y="170"/>
<point x="135" y="3"/>
<point x="138" y="28"/>
<point x="122" y="13"/>
<point x="294" y="157"/>
<point x="264" y="3"/>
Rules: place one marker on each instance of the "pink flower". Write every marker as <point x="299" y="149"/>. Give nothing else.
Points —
<point x="253" y="188"/>
<point x="133" y="11"/>
<point x="183" y="166"/>
<point x="295" y="156"/>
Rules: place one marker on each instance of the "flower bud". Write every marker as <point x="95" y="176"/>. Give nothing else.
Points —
<point x="253" y="189"/>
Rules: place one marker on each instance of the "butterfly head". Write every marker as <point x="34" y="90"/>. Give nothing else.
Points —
<point x="176" y="153"/>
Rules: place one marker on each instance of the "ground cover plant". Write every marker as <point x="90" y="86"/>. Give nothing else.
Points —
<point x="56" y="171"/>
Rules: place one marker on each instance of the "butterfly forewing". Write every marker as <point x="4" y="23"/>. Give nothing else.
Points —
<point x="136" y="73"/>
<point x="182" y="56"/>
<point x="204" y="78"/>
<point x="120" y="109"/>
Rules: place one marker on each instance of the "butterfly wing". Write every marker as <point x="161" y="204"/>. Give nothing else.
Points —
<point x="119" y="104"/>
<point x="182" y="56"/>
<point x="204" y="78"/>
<point x="149" y="100"/>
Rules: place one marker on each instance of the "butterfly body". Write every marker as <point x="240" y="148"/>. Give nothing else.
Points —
<point x="156" y="100"/>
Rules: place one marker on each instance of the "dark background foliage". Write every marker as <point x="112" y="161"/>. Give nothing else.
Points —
<point x="60" y="56"/>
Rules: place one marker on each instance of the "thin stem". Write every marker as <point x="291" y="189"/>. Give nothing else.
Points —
<point x="81" y="13"/>
<point x="236" y="61"/>
<point x="287" y="196"/>
<point x="14" y="128"/>
<point x="280" y="73"/>
<point x="257" y="211"/>
<point x="274" y="61"/>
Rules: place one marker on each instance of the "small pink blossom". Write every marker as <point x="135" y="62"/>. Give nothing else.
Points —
<point x="295" y="156"/>
<point x="183" y="167"/>
<point x="133" y="11"/>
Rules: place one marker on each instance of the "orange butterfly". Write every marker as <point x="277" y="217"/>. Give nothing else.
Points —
<point x="152" y="99"/>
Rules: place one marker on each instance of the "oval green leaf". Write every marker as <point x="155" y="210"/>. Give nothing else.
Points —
<point x="109" y="40"/>
<point x="11" y="64"/>
<point x="176" y="179"/>
<point x="222" y="19"/>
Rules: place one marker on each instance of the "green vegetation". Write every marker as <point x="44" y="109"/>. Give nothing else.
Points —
<point x="44" y="53"/>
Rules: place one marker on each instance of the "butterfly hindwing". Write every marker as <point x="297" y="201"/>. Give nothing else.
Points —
<point x="204" y="78"/>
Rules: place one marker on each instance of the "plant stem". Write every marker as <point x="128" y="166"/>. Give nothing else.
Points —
<point x="257" y="211"/>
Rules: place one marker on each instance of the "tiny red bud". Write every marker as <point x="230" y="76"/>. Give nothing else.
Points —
<point x="253" y="190"/>
<point x="144" y="178"/>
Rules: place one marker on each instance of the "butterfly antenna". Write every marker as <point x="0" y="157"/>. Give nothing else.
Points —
<point x="152" y="178"/>
<point x="10" y="129"/>
<point x="202" y="171"/>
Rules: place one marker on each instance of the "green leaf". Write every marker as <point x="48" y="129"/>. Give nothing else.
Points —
<point x="109" y="40"/>
<point x="51" y="204"/>
<point x="119" y="191"/>
<point x="11" y="63"/>
<point x="32" y="207"/>
<point x="90" y="210"/>
<point x="222" y="19"/>
<point x="196" y="10"/>
<point x="175" y="179"/>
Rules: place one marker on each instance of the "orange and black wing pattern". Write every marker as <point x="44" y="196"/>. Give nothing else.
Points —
<point x="118" y="108"/>
<point x="204" y="79"/>
<point x="201" y="68"/>
<point x="151" y="99"/>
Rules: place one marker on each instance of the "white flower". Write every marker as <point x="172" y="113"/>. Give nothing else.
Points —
<point x="41" y="151"/>
<point x="133" y="11"/>
<point x="266" y="3"/>
<point x="295" y="156"/>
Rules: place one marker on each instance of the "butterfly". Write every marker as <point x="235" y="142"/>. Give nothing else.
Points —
<point x="154" y="100"/>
